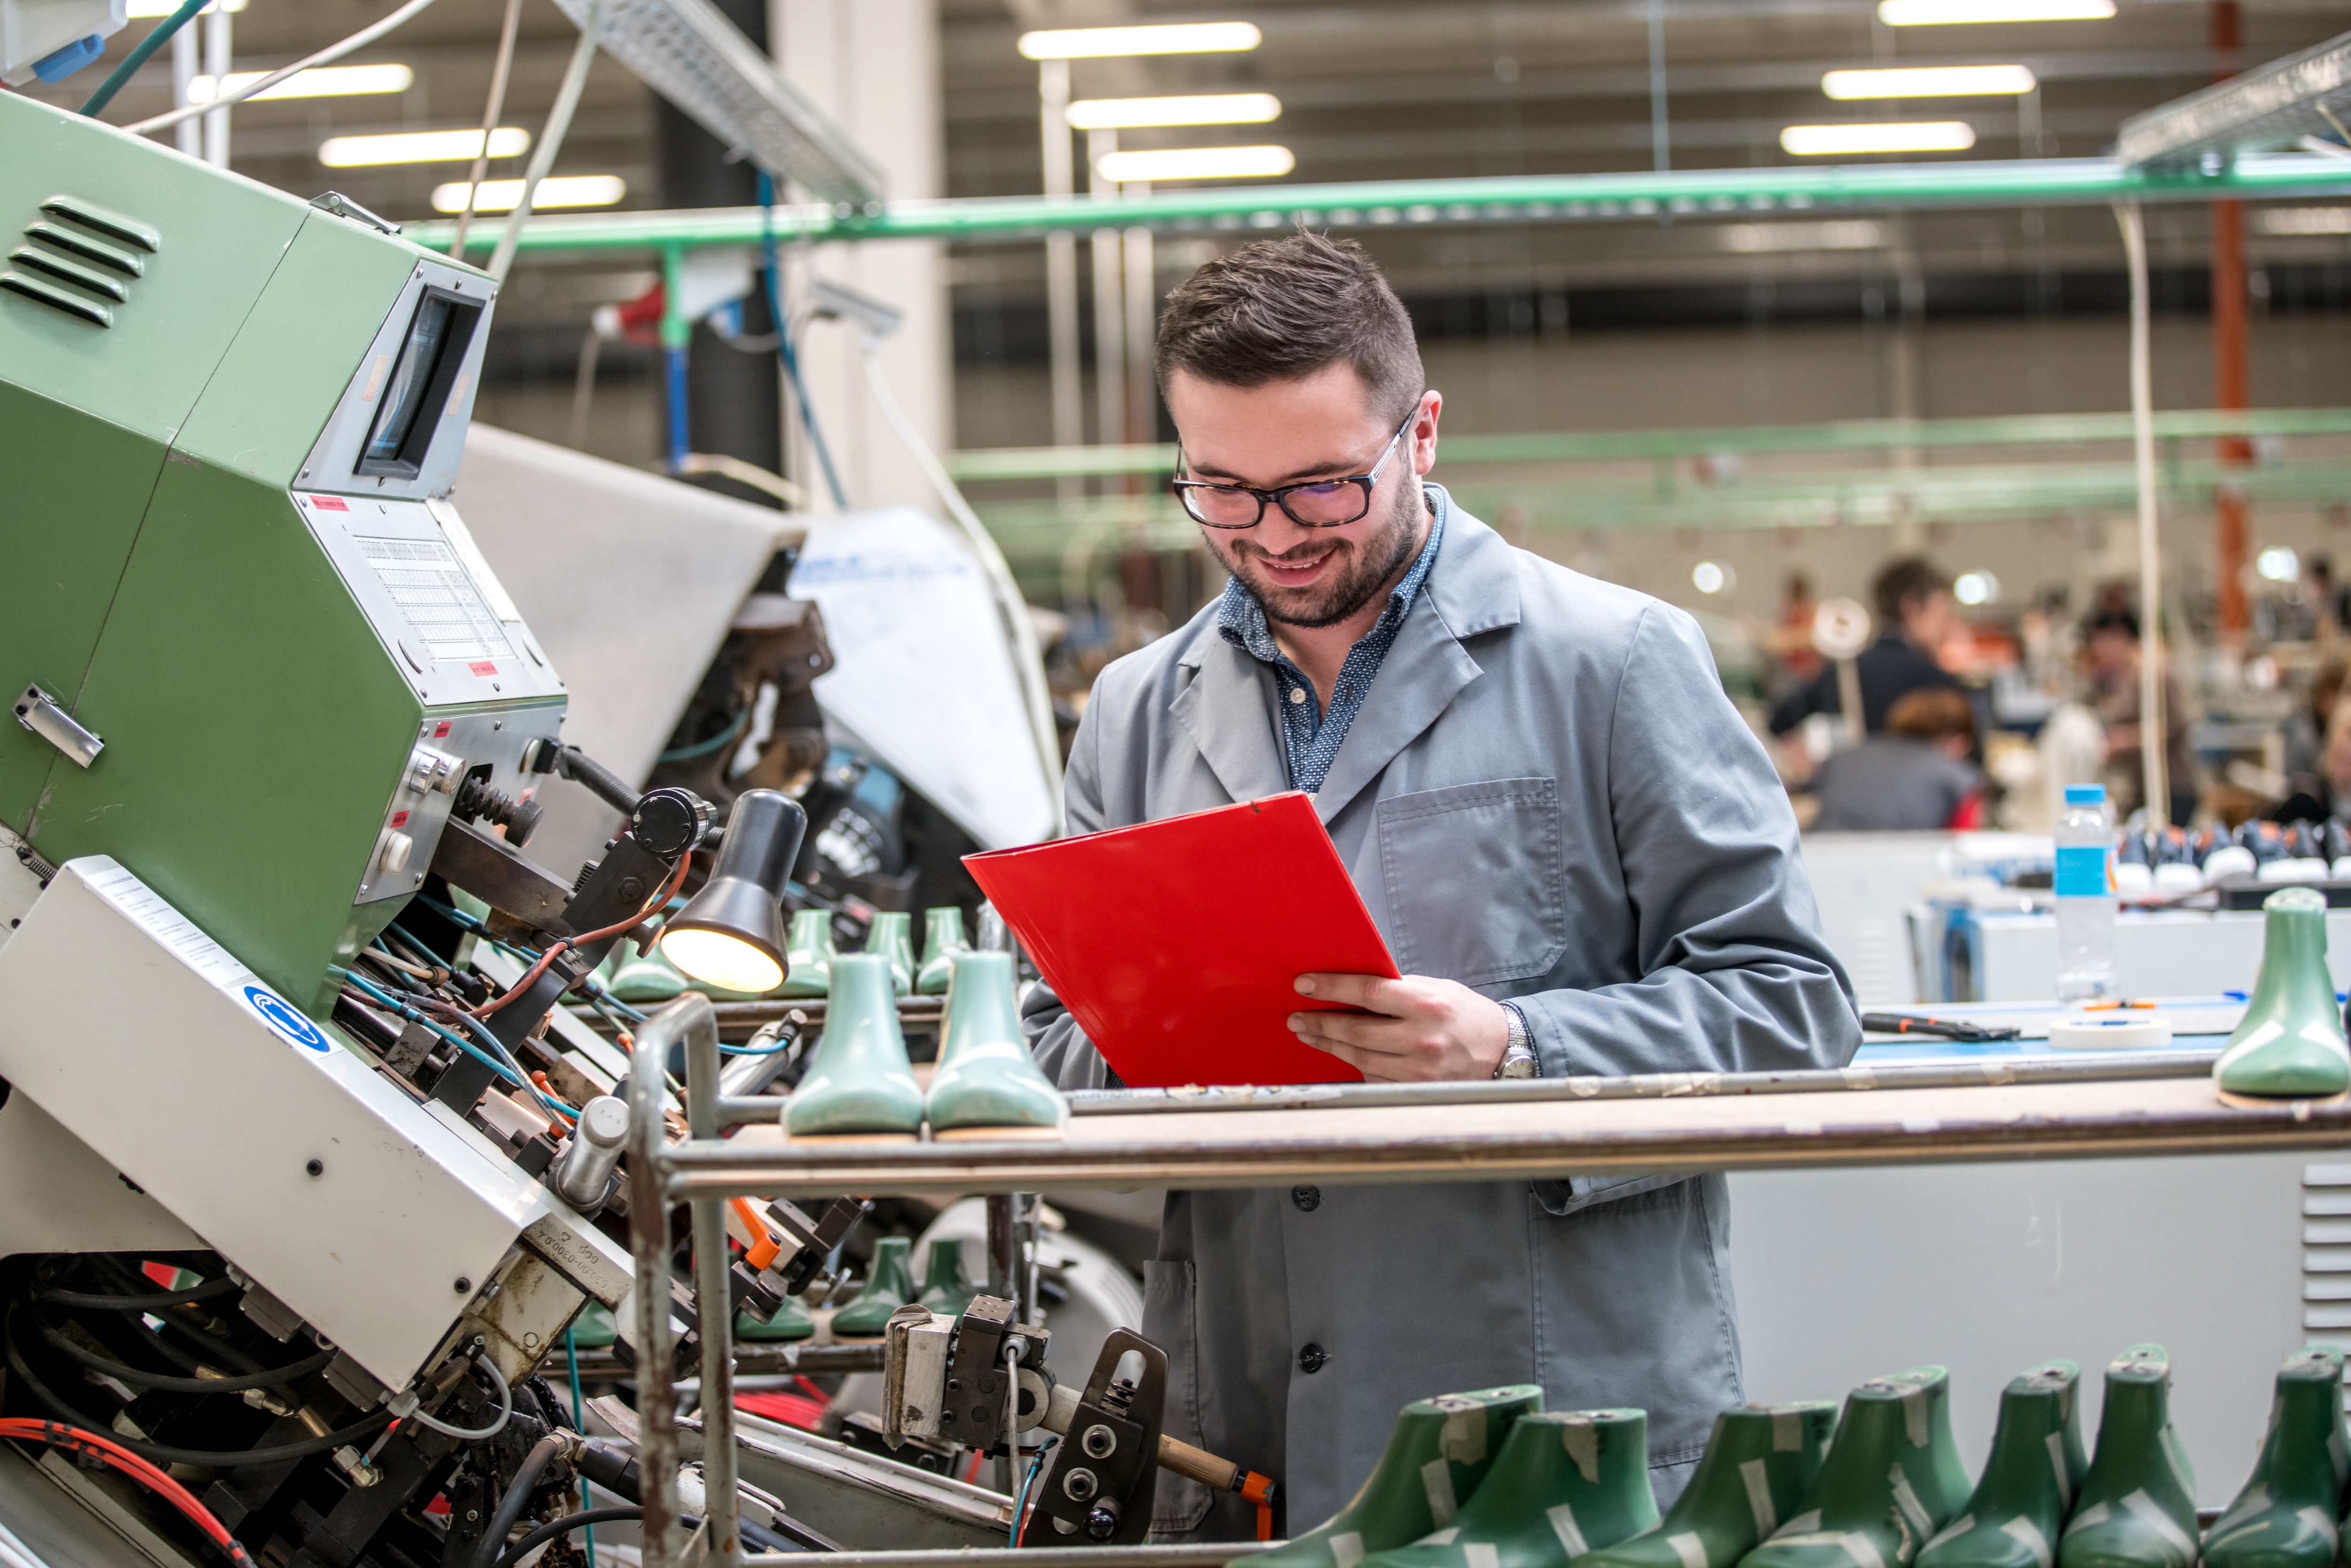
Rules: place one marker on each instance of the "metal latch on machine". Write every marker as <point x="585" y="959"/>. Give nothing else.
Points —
<point x="45" y="716"/>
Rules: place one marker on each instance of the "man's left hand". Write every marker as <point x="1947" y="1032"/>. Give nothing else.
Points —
<point x="1416" y="1030"/>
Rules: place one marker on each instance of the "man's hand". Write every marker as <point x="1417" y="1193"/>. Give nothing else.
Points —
<point x="1416" y="1030"/>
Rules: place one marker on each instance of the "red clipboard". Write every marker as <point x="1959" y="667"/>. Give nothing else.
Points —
<point x="1176" y="944"/>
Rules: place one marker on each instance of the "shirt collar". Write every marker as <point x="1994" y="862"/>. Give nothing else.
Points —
<point x="1240" y="619"/>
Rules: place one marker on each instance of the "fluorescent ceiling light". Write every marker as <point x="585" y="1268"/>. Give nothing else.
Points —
<point x="421" y="147"/>
<point x="555" y="191"/>
<point x="1167" y="38"/>
<point x="1910" y="136"/>
<point x="165" y="7"/>
<point x="1929" y="81"/>
<point x="1944" y="13"/>
<point x="1198" y="163"/>
<point x="2304" y="220"/>
<point x="1845" y="233"/>
<point x="1208" y="108"/>
<point x="319" y="81"/>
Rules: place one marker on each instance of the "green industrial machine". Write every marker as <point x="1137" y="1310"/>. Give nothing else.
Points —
<point x="254" y="654"/>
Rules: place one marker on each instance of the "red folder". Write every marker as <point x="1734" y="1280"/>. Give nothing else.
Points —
<point x="1176" y="945"/>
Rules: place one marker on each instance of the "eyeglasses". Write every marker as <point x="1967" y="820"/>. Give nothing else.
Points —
<point x="1317" y="504"/>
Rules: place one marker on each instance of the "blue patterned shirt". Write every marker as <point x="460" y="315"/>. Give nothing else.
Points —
<point x="1311" y="737"/>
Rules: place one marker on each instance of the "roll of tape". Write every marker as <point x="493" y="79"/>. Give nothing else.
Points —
<point x="2111" y="1031"/>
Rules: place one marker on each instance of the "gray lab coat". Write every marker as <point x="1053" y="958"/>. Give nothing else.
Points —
<point x="1546" y="797"/>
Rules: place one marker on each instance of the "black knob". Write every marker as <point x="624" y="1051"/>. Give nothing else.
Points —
<point x="1312" y="1358"/>
<point x="1309" y="1198"/>
<point x="1102" y="1521"/>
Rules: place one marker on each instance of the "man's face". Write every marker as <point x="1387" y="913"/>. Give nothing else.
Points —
<point x="1930" y="619"/>
<point x="2112" y="653"/>
<point x="1320" y="426"/>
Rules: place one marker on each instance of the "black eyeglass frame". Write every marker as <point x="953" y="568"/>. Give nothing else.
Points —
<point x="1368" y="483"/>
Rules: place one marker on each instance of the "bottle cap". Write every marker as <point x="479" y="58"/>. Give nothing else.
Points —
<point x="2086" y="794"/>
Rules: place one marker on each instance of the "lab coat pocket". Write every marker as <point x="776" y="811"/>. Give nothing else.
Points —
<point x="1475" y="877"/>
<point x="1170" y="1321"/>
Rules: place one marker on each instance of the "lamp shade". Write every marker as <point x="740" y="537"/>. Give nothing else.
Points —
<point x="731" y="933"/>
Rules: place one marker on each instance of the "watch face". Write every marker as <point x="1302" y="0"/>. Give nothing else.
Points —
<point x="1519" y="1067"/>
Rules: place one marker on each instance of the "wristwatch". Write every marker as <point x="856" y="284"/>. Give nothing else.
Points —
<point x="1518" y="1053"/>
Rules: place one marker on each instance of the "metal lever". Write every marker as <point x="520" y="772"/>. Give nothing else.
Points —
<point x="45" y="716"/>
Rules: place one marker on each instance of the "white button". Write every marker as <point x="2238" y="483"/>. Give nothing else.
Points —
<point x="1298" y="693"/>
<point x="394" y="854"/>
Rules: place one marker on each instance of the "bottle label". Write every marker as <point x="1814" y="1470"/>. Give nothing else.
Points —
<point x="2084" y="871"/>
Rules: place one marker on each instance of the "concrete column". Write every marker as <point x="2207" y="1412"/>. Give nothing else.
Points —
<point x="873" y="66"/>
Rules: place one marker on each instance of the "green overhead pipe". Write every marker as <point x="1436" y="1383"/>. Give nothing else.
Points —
<point x="1014" y="463"/>
<point x="1372" y="204"/>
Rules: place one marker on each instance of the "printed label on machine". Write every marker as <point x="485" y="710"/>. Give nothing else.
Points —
<point x="430" y="586"/>
<point x="207" y="957"/>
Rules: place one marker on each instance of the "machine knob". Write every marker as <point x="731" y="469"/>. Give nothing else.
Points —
<point x="430" y="770"/>
<point x="392" y="858"/>
<point x="1102" y="1520"/>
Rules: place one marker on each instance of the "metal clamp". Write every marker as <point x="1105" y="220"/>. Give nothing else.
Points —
<point x="46" y="718"/>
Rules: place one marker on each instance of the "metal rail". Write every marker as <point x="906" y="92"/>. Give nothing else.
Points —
<point x="1380" y="203"/>
<point x="1906" y="1114"/>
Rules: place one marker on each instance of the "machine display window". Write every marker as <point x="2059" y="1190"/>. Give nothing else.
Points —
<point x="418" y="389"/>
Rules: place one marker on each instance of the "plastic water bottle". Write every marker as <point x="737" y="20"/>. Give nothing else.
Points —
<point x="2086" y="896"/>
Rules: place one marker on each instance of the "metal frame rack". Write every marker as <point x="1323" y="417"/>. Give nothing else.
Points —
<point x="1677" y="1123"/>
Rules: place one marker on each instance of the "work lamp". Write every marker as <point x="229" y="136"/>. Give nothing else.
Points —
<point x="731" y="933"/>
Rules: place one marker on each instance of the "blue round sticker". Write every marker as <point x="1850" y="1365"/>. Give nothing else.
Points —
<point x="279" y="1014"/>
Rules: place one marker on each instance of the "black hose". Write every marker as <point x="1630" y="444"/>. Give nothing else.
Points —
<point x="170" y="1384"/>
<point x="600" y="780"/>
<point x="209" y="1288"/>
<point x="251" y="1458"/>
<point x="517" y="1497"/>
<point x="571" y="1521"/>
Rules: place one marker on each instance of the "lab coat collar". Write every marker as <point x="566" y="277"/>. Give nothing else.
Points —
<point x="1226" y="706"/>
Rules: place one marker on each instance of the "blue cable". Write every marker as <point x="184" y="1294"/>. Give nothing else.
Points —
<point x="1020" y="1503"/>
<point x="680" y="443"/>
<point x="579" y="1424"/>
<point x="508" y="1069"/>
<point x="588" y="983"/>
<point x="784" y="341"/>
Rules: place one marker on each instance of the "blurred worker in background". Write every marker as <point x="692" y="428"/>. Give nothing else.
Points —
<point x="1791" y="638"/>
<point x="1573" y="843"/>
<point x="2310" y="792"/>
<point x="2111" y="651"/>
<point x="1917" y="777"/>
<point x="1916" y="615"/>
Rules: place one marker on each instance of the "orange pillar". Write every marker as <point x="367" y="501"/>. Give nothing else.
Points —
<point x="2229" y="508"/>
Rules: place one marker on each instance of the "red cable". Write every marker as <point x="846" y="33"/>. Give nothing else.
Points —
<point x="530" y="977"/>
<point x="80" y="1439"/>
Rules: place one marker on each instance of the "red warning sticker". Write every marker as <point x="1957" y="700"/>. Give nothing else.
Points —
<point x="441" y="730"/>
<point x="483" y="667"/>
<point x="400" y="819"/>
<point x="329" y="503"/>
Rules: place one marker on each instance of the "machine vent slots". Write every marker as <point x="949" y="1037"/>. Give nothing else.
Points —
<point x="88" y="246"/>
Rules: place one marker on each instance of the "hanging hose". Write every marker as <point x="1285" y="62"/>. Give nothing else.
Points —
<point x="138" y="55"/>
<point x="517" y="1497"/>
<point x="559" y="122"/>
<point x="498" y="70"/>
<point x="358" y="40"/>
<point x="784" y="348"/>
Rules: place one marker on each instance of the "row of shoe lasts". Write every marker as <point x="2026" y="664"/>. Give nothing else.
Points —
<point x="2172" y="861"/>
<point x="1492" y="1480"/>
<point x="809" y="953"/>
<point x="859" y="1084"/>
<point x="889" y="1285"/>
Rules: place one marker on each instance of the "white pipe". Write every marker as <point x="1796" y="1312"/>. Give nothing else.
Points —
<point x="358" y="40"/>
<point x="559" y="121"/>
<point x="183" y="71"/>
<point x="219" y="53"/>
<point x="2154" y="732"/>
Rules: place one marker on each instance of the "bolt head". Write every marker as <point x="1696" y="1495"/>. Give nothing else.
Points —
<point x="316" y="1167"/>
<point x="463" y="1285"/>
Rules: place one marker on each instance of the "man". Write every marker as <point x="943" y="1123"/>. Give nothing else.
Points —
<point x="1916" y="615"/>
<point x="1545" y="798"/>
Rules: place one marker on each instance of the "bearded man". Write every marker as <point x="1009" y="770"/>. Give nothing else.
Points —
<point x="1577" y="852"/>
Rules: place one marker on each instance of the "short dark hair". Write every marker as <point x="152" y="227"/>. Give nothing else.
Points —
<point x="2114" y="618"/>
<point x="1909" y="577"/>
<point x="1277" y="310"/>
